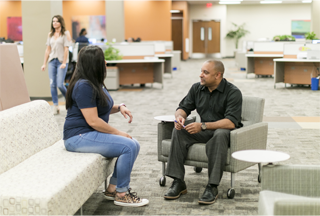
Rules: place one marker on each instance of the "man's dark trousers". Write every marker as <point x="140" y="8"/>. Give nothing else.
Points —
<point x="217" y="143"/>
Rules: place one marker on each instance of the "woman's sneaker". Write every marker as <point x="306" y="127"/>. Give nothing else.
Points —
<point x="130" y="199"/>
<point x="109" y="195"/>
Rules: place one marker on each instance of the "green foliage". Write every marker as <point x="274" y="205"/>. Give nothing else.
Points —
<point x="310" y="36"/>
<point x="111" y="53"/>
<point x="284" y="38"/>
<point x="238" y="33"/>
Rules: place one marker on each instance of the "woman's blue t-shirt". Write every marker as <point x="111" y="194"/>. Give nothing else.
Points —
<point x="75" y="123"/>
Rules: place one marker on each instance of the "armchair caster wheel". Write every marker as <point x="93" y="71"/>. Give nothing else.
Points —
<point x="197" y="169"/>
<point x="230" y="194"/>
<point x="259" y="178"/>
<point x="162" y="181"/>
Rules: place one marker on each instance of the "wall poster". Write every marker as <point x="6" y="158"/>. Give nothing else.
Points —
<point x="95" y="26"/>
<point x="14" y="28"/>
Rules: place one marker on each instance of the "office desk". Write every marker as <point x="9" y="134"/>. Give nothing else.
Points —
<point x="139" y="71"/>
<point x="294" y="71"/>
<point x="261" y="64"/>
<point x="167" y="63"/>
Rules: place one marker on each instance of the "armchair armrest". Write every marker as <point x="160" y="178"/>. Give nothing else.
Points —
<point x="303" y="206"/>
<point x="165" y="132"/>
<point x="301" y="180"/>
<point x="246" y="138"/>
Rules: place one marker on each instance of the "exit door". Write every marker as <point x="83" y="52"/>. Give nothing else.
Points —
<point x="206" y="37"/>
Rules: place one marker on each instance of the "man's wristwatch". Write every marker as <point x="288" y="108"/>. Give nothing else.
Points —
<point x="203" y="126"/>
<point x="122" y="104"/>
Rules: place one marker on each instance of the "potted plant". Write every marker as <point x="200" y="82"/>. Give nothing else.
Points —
<point x="311" y="36"/>
<point x="238" y="33"/>
<point x="284" y="38"/>
<point x="111" y="53"/>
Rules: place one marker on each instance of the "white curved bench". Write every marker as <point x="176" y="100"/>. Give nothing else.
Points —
<point x="37" y="174"/>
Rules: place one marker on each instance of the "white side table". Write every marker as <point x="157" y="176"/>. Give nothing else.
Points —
<point x="168" y="118"/>
<point x="260" y="156"/>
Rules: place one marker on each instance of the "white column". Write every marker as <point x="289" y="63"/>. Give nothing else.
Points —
<point x="115" y="20"/>
<point x="315" y="17"/>
<point x="36" y="22"/>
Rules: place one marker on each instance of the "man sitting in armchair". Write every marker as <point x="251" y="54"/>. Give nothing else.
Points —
<point x="218" y="103"/>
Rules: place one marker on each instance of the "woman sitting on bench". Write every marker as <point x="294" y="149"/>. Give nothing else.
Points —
<point x="86" y="128"/>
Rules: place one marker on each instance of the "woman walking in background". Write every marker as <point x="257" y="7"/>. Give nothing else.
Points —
<point x="56" y="54"/>
<point x="87" y="130"/>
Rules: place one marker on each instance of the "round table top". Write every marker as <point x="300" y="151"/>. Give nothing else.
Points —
<point x="260" y="156"/>
<point x="168" y="118"/>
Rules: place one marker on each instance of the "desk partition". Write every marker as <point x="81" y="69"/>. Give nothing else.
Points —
<point x="261" y="61"/>
<point x="293" y="70"/>
<point x="135" y="50"/>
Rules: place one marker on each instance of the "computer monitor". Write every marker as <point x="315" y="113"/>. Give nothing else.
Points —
<point x="92" y="40"/>
<point x="316" y="41"/>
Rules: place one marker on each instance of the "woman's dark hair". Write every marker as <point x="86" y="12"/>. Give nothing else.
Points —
<point x="81" y="32"/>
<point x="91" y="67"/>
<point x="61" y="21"/>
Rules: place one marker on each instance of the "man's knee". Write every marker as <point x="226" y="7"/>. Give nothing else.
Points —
<point x="178" y="133"/>
<point x="222" y="133"/>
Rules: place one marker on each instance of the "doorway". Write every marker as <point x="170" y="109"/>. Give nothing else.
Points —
<point x="177" y="32"/>
<point x="206" y="36"/>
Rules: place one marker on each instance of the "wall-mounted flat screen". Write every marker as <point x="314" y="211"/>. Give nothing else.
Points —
<point x="300" y="27"/>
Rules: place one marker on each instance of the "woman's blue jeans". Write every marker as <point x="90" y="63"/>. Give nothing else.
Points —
<point x="56" y="76"/>
<point x="109" y="145"/>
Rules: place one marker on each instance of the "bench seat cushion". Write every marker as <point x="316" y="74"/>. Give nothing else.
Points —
<point x="197" y="152"/>
<point x="53" y="181"/>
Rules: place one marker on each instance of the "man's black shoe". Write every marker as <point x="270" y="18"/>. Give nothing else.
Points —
<point x="209" y="196"/>
<point x="177" y="188"/>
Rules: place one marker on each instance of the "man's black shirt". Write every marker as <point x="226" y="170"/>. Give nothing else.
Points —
<point x="225" y="102"/>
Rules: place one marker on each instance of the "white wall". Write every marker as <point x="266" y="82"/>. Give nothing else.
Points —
<point x="265" y="20"/>
<point x="200" y="11"/>
<point x="315" y="20"/>
<point x="261" y="20"/>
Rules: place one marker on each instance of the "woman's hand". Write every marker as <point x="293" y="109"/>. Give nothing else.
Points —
<point x="63" y="66"/>
<point x="126" y="112"/>
<point x="124" y="134"/>
<point x="43" y="67"/>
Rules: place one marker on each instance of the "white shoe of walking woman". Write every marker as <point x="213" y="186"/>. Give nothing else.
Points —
<point x="56" y="110"/>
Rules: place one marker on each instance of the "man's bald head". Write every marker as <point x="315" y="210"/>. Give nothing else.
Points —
<point x="217" y="66"/>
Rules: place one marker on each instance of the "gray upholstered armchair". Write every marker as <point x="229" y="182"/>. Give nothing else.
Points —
<point x="290" y="190"/>
<point x="253" y="135"/>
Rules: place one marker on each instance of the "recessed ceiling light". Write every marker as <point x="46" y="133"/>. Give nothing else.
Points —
<point x="271" y="2"/>
<point x="229" y="2"/>
<point x="174" y="11"/>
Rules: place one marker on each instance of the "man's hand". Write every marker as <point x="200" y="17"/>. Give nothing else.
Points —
<point x="193" y="128"/>
<point x="126" y="112"/>
<point x="180" y="123"/>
